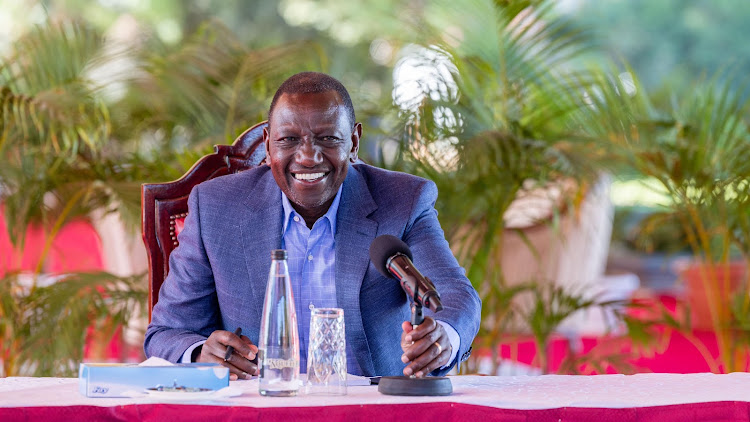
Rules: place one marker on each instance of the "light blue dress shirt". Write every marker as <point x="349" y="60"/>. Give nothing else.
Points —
<point x="312" y="265"/>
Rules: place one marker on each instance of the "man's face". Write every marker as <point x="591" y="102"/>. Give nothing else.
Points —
<point x="309" y="145"/>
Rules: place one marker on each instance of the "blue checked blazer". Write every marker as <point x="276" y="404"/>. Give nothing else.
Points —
<point x="217" y="275"/>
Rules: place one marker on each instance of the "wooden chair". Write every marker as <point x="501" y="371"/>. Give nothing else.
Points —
<point x="164" y="205"/>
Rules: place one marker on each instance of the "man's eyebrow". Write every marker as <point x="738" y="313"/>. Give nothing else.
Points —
<point x="333" y="130"/>
<point x="317" y="129"/>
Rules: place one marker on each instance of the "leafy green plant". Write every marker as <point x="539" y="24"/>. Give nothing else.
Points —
<point x="43" y="328"/>
<point x="551" y="306"/>
<point x="71" y="144"/>
<point x="54" y="126"/>
<point x="494" y="121"/>
<point x="697" y="147"/>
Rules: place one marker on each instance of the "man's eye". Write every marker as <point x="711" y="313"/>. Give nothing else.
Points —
<point x="330" y="139"/>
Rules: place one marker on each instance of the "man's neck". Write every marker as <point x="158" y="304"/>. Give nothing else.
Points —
<point x="328" y="209"/>
<point x="311" y="216"/>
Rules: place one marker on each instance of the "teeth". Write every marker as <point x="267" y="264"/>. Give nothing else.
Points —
<point x="308" y="176"/>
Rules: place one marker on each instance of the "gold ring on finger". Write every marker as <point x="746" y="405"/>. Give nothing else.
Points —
<point x="440" y="348"/>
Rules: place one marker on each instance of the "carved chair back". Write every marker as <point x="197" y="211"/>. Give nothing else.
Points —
<point x="164" y="205"/>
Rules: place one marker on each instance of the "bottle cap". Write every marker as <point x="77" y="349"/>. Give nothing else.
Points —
<point x="278" y="254"/>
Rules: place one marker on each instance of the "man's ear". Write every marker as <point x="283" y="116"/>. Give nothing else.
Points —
<point x="356" y="135"/>
<point x="266" y="142"/>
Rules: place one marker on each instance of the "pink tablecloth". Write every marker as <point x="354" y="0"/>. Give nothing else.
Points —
<point x="652" y="397"/>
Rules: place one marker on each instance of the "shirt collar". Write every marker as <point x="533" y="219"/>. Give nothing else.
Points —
<point x="330" y="215"/>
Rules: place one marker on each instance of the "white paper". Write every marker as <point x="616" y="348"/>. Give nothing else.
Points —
<point x="155" y="361"/>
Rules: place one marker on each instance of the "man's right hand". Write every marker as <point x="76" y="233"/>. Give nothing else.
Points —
<point x="242" y="363"/>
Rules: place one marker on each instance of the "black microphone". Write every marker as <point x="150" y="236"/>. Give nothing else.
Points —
<point x="392" y="257"/>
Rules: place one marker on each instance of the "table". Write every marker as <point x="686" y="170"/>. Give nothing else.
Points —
<point x="641" y="397"/>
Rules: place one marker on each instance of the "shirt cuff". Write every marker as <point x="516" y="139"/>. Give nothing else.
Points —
<point x="454" y="339"/>
<point x="187" y="356"/>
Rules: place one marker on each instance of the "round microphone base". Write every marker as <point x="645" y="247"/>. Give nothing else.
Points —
<point x="407" y="386"/>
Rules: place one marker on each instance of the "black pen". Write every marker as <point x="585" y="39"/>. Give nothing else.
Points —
<point x="230" y="349"/>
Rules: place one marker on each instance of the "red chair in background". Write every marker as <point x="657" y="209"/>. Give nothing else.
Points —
<point x="164" y="205"/>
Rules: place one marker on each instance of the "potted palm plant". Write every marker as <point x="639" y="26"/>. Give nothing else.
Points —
<point x="491" y="123"/>
<point x="697" y="148"/>
<point x="54" y="127"/>
<point x="72" y="146"/>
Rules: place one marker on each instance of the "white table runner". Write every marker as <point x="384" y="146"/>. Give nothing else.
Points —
<point x="514" y="392"/>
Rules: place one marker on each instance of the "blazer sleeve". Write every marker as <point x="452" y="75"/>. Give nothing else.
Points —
<point x="187" y="310"/>
<point x="434" y="258"/>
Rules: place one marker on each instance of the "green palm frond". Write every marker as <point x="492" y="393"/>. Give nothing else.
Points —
<point x="46" y="95"/>
<point x="42" y="328"/>
<point x="52" y="118"/>
<point x="502" y="121"/>
<point x="551" y="305"/>
<point x="699" y="139"/>
<point x="697" y="147"/>
<point x="506" y="122"/>
<point x="508" y="54"/>
<point x="50" y="56"/>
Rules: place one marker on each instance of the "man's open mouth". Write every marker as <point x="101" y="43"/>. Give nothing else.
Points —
<point x="309" y="177"/>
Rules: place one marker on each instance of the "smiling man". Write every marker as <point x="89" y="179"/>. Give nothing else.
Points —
<point x="310" y="141"/>
<point x="316" y="200"/>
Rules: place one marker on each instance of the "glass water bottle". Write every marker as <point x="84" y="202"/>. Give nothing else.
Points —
<point x="279" y="339"/>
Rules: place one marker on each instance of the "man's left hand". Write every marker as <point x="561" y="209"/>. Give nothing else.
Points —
<point x="426" y="347"/>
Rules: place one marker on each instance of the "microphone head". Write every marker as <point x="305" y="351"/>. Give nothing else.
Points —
<point x="384" y="247"/>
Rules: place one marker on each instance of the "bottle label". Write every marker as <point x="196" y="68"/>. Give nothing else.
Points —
<point x="280" y="363"/>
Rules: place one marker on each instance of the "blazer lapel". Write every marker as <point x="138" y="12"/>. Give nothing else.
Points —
<point x="354" y="234"/>
<point x="261" y="233"/>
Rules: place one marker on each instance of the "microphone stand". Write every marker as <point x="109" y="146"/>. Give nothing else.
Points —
<point x="411" y="385"/>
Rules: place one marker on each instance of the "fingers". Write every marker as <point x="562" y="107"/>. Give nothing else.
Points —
<point x="441" y="358"/>
<point x="424" y="329"/>
<point x="431" y="348"/>
<point x="407" y="328"/>
<point x="241" y="362"/>
<point x="253" y="353"/>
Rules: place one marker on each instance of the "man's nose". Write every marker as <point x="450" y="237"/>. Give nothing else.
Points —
<point x="308" y="154"/>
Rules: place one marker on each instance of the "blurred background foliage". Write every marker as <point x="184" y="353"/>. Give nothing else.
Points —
<point x="482" y="96"/>
<point x="670" y="43"/>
